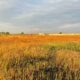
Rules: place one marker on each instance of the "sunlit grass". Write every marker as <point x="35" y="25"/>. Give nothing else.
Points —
<point x="35" y="57"/>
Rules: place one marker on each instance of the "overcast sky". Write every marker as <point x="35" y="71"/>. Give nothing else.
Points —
<point x="32" y="16"/>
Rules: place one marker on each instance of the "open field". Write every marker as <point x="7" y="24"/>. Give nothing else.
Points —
<point x="40" y="57"/>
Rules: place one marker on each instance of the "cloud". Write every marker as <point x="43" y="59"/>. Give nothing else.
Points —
<point x="50" y="8"/>
<point x="35" y="10"/>
<point x="6" y="26"/>
<point x="70" y="25"/>
<point x="5" y="4"/>
<point x="39" y="15"/>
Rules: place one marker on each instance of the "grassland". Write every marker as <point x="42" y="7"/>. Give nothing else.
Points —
<point x="40" y="57"/>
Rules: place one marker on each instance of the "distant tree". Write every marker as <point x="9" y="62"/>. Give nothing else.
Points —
<point x="7" y="33"/>
<point x="22" y="33"/>
<point x="3" y="33"/>
<point x="60" y="32"/>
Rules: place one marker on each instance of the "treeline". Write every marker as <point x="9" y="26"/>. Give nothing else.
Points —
<point x="22" y="33"/>
<point x="4" y="33"/>
<point x="8" y="33"/>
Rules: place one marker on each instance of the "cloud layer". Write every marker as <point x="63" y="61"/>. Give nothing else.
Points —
<point x="40" y="16"/>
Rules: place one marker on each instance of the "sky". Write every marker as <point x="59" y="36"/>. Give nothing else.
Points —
<point x="40" y="16"/>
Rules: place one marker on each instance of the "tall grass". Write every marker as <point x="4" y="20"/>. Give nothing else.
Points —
<point x="23" y="60"/>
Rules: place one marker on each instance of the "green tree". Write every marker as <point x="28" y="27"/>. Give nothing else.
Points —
<point x="7" y="33"/>
<point x="60" y="32"/>
<point x="22" y="33"/>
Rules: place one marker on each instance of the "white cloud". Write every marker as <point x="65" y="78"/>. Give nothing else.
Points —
<point x="31" y="14"/>
<point x="39" y="10"/>
<point x="69" y="26"/>
<point x="47" y="7"/>
<point x="5" y="4"/>
<point x="53" y="1"/>
<point x="4" y="26"/>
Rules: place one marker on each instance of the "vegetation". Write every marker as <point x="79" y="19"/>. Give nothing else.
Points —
<point x="60" y="32"/>
<point x="33" y="57"/>
<point x="4" y="33"/>
<point x="22" y="33"/>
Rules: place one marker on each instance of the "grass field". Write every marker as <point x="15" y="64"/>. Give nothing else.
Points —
<point x="40" y="57"/>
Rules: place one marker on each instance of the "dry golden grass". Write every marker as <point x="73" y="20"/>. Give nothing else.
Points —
<point x="39" y="52"/>
<point x="68" y="58"/>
